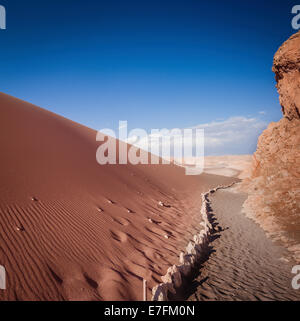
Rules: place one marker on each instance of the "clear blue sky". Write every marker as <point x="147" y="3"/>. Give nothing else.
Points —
<point x="154" y="63"/>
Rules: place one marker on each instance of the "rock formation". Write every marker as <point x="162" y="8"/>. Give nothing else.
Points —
<point x="274" y="185"/>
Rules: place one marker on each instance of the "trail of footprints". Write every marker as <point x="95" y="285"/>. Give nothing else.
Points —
<point x="153" y="225"/>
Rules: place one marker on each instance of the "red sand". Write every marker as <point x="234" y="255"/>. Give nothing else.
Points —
<point x="54" y="242"/>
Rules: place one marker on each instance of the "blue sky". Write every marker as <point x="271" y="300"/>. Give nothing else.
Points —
<point x="153" y="63"/>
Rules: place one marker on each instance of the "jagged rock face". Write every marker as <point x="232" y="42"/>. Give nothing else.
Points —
<point x="286" y="67"/>
<point x="274" y="185"/>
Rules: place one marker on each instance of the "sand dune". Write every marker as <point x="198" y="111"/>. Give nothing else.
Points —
<point x="71" y="229"/>
<point x="225" y="165"/>
<point x="229" y="165"/>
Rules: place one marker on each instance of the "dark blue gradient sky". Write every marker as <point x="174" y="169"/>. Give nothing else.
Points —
<point x="154" y="63"/>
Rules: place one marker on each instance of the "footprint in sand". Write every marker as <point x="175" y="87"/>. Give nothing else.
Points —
<point x="90" y="281"/>
<point x="154" y="230"/>
<point x="20" y="228"/>
<point x="152" y="254"/>
<point x="162" y="204"/>
<point x="121" y="221"/>
<point x="153" y="221"/>
<point x="119" y="236"/>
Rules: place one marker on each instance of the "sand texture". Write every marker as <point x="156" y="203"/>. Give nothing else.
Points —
<point x="71" y="229"/>
<point x="243" y="264"/>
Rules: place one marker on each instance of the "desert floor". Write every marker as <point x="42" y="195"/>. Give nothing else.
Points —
<point x="243" y="264"/>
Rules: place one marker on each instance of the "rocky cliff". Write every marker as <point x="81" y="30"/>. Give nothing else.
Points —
<point x="274" y="185"/>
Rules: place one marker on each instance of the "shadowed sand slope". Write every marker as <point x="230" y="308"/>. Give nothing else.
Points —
<point x="71" y="229"/>
<point x="244" y="263"/>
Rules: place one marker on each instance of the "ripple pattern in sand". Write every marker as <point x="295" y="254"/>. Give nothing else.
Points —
<point x="244" y="263"/>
